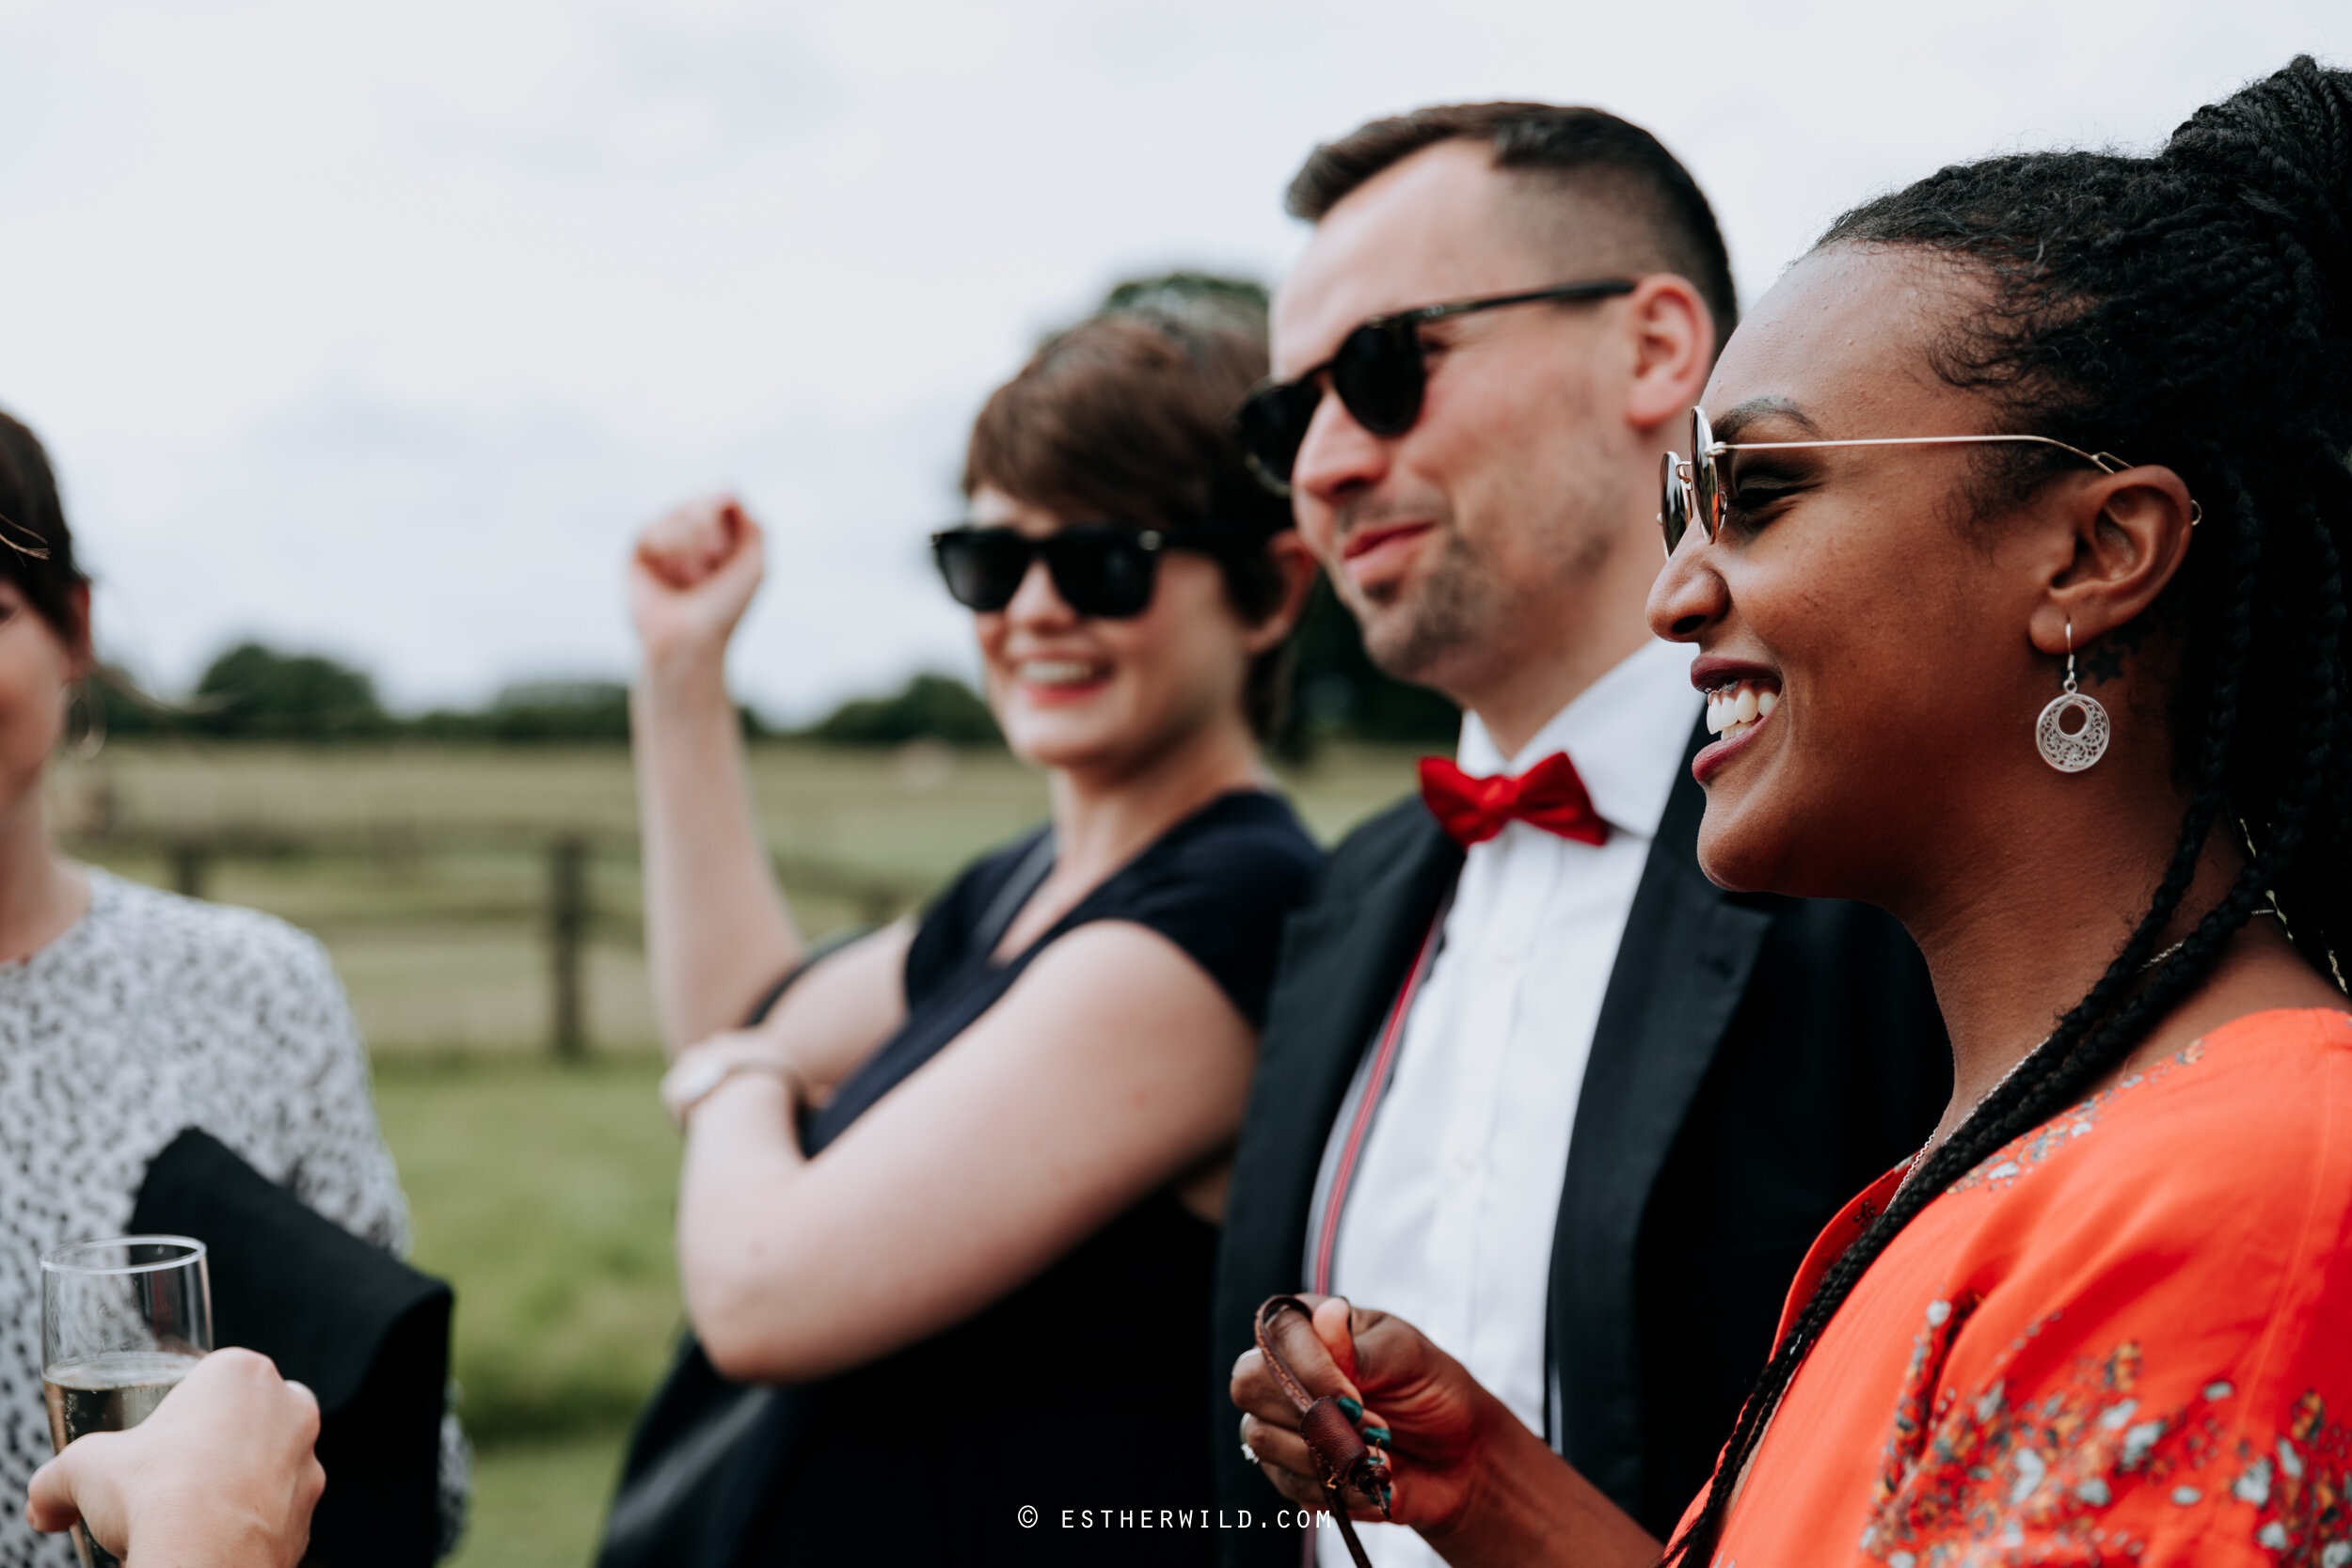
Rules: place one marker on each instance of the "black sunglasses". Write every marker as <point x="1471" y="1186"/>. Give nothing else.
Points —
<point x="1379" y="374"/>
<point x="1106" y="570"/>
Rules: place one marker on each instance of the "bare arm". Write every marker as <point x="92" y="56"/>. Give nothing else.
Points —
<point x="221" y="1476"/>
<point x="843" y="1007"/>
<point x="1110" y="1067"/>
<point x="716" y="929"/>
<point x="1469" y="1477"/>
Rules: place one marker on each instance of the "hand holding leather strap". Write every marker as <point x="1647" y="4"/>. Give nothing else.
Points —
<point x="1341" y="1452"/>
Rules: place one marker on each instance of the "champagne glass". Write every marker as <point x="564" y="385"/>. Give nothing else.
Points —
<point x="122" y="1322"/>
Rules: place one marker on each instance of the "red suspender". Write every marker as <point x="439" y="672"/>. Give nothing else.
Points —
<point x="1376" y="1087"/>
<point x="1359" y="1127"/>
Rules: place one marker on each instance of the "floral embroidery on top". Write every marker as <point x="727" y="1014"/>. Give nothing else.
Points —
<point x="2298" y="1489"/>
<point x="2138" y="1362"/>
<point x="2002" y="1168"/>
<point x="1994" y="1470"/>
<point x="1977" y="1479"/>
<point x="1914" y="1407"/>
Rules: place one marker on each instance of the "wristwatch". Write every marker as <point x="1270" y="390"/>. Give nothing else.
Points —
<point x="698" y="1076"/>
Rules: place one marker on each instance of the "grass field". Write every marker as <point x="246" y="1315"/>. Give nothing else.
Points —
<point x="542" y="1190"/>
<point x="543" y="1193"/>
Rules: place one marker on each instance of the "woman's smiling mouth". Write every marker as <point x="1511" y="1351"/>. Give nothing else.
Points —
<point x="1734" y="709"/>
<point x="1741" y="698"/>
<point x="1054" y="681"/>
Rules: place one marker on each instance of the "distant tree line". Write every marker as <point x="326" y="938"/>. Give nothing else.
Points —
<point x="257" y="693"/>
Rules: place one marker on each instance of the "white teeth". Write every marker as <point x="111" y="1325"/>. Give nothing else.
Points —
<point x="1041" y="672"/>
<point x="1731" y="709"/>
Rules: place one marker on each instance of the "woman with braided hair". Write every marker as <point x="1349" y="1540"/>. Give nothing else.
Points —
<point x="2014" y="559"/>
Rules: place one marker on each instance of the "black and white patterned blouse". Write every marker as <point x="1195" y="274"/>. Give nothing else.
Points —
<point x="153" y="1014"/>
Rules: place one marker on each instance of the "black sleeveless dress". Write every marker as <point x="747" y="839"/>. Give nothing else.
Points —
<point x="1080" y="1389"/>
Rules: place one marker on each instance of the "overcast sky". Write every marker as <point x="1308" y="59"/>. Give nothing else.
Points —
<point x="377" y="329"/>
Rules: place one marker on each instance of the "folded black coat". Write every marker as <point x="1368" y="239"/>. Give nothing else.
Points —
<point x="369" y="1333"/>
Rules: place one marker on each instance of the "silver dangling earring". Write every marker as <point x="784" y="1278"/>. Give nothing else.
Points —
<point x="2071" y="753"/>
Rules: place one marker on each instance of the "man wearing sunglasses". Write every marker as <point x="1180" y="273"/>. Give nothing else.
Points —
<point x="1528" y="1079"/>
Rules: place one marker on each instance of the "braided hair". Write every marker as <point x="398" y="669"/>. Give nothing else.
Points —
<point x="2191" y="308"/>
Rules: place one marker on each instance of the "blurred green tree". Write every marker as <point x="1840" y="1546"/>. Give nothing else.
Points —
<point x="574" y="712"/>
<point x="1337" y="692"/>
<point x="127" y="708"/>
<point x="929" y="706"/>
<point x="1201" y="298"/>
<point x="536" y="711"/>
<point x="254" y="691"/>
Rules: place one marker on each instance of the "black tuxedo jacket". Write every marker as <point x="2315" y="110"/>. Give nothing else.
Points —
<point x="1757" y="1061"/>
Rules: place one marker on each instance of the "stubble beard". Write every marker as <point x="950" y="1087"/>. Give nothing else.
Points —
<point x="1417" y="630"/>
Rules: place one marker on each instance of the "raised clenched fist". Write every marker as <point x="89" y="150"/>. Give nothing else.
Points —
<point x="690" y="578"/>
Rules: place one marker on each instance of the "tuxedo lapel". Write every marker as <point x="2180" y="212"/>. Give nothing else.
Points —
<point x="1682" y="967"/>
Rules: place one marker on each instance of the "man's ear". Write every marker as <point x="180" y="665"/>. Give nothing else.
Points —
<point x="1674" y="348"/>
<point x="1299" y="567"/>
<point x="2124" y="538"/>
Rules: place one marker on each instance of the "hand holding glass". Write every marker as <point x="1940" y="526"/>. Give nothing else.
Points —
<point x="122" y="1322"/>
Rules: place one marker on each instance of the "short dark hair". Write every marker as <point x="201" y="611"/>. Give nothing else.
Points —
<point x="36" y="547"/>
<point x="1583" y="151"/>
<point x="1125" y="417"/>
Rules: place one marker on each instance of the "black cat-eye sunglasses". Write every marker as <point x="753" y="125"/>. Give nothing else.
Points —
<point x="1100" y="569"/>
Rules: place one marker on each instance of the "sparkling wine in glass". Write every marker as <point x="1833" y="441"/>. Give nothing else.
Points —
<point x="122" y="1322"/>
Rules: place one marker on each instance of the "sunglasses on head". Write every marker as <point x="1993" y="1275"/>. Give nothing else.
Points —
<point x="1105" y="570"/>
<point x="1691" y="490"/>
<point x="1379" y="372"/>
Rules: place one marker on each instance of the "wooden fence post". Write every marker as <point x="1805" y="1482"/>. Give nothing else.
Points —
<point x="187" y="868"/>
<point x="567" y="927"/>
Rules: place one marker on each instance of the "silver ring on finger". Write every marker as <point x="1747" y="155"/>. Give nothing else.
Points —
<point x="1249" y="1453"/>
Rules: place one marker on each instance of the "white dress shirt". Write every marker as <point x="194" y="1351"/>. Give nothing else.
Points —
<point x="1448" y="1221"/>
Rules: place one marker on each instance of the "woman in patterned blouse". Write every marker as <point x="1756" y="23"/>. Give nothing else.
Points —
<point x="129" y="1014"/>
<point x="2083" y="721"/>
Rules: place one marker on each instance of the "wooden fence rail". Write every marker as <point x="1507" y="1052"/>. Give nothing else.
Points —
<point x="566" y="911"/>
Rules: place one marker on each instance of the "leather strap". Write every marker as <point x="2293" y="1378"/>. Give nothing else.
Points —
<point x="1341" y="1452"/>
<point x="1028" y="874"/>
<point x="1331" y="1200"/>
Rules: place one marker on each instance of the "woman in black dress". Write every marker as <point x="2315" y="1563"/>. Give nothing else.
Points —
<point x="962" y="1159"/>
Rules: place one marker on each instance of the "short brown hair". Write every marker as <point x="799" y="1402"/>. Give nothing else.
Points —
<point x="1583" y="151"/>
<point x="1126" y="417"/>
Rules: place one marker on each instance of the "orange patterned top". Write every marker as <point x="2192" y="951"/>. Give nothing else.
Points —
<point x="2124" y="1339"/>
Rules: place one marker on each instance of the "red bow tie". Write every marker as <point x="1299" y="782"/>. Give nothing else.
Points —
<point x="1548" y="794"/>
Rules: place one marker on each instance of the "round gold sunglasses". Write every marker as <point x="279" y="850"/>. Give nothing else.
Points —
<point x="1692" y="488"/>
